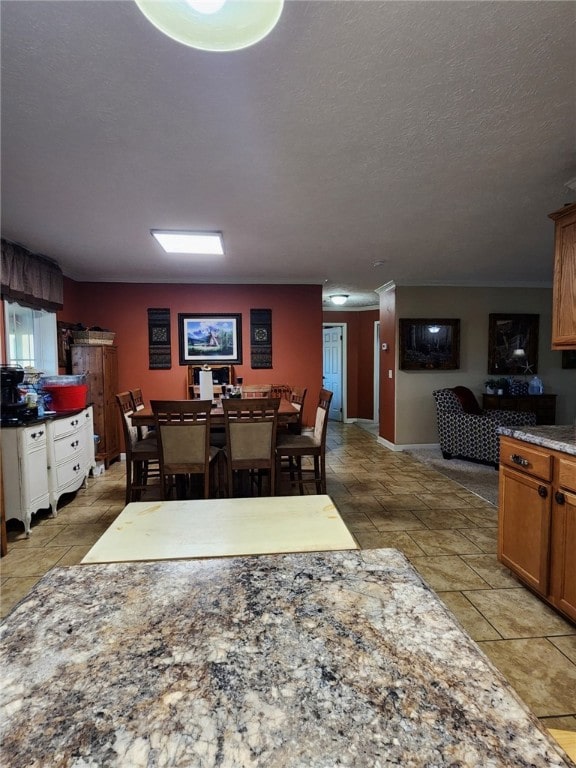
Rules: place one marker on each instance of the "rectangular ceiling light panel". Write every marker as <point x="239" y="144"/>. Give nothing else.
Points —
<point x="199" y="243"/>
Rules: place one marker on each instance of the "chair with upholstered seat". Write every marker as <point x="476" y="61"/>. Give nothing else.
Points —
<point x="138" y="404"/>
<point x="466" y="431"/>
<point x="141" y="455"/>
<point x="250" y="442"/>
<point x="183" y="429"/>
<point x="297" y="398"/>
<point x="308" y="445"/>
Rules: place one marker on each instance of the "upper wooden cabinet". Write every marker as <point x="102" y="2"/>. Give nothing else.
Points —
<point x="564" y="300"/>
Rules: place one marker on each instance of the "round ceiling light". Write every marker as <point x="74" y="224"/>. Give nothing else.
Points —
<point x="340" y="298"/>
<point x="213" y="25"/>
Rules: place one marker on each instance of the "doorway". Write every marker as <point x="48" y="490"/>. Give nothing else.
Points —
<point x="334" y="365"/>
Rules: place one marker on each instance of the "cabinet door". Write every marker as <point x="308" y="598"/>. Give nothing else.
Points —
<point x="524" y="527"/>
<point x="563" y="559"/>
<point x="564" y="299"/>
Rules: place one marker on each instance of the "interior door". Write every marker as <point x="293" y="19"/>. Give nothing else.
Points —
<point x="332" y="373"/>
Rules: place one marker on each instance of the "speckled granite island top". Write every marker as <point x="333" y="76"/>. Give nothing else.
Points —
<point x="556" y="438"/>
<point x="283" y="661"/>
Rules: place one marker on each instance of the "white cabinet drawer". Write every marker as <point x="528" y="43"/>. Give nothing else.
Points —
<point x="69" y="473"/>
<point x="34" y="437"/>
<point x="68" y="446"/>
<point x="67" y="425"/>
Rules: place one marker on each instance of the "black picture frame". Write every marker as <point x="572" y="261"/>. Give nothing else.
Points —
<point x="205" y="338"/>
<point x="429" y="344"/>
<point x="513" y="344"/>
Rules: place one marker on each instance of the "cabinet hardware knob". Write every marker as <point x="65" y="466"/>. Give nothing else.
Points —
<point x="560" y="498"/>
<point x="520" y="460"/>
<point x="542" y="491"/>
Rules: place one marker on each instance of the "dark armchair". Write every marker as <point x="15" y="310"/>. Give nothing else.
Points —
<point x="467" y="431"/>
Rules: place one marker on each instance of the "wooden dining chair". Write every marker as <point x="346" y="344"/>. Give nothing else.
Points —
<point x="183" y="429"/>
<point x="142" y="459"/>
<point x="138" y="404"/>
<point x="297" y="398"/>
<point x="291" y="449"/>
<point x="256" y="390"/>
<point x="250" y="426"/>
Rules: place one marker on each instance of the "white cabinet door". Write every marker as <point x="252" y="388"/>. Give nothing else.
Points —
<point x="24" y="472"/>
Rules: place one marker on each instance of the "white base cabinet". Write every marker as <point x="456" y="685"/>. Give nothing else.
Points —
<point x="70" y="444"/>
<point x="24" y="472"/>
<point x="40" y="462"/>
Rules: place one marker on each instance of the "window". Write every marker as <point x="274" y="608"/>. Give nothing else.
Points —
<point x="31" y="338"/>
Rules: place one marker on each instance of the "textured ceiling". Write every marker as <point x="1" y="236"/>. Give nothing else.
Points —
<point x="433" y="137"/>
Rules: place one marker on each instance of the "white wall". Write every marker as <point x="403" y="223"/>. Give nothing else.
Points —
<point x="415" y="409"/>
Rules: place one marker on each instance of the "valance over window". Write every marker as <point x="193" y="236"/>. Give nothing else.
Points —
<point x="31" y="280"/>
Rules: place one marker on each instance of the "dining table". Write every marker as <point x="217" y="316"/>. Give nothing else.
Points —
<point x="287" y="413"/>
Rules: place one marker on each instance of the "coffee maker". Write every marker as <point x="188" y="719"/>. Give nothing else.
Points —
<point x="13" y="409"/>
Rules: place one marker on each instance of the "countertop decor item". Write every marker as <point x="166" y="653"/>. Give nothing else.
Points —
<point x="284" y="661"/>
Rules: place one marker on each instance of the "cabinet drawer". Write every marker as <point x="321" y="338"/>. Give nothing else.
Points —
<point x="67" y="425"/>
<point x="68" y="446"/>
<point x="567" y="472"/>
<point x="526" y="458"/>
<point x="69" y="473"/>
<point x="33" y="437"/>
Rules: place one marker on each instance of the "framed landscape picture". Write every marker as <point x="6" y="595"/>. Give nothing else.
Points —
<point x="205" y="338"/>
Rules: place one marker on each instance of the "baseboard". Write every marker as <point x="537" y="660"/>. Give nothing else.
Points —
<point x="406" y="446"/>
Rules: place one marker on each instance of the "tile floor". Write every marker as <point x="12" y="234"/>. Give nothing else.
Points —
<point x="387" y="500"/>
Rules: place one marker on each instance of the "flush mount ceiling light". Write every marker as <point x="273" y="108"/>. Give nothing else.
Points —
<point x="213" y="25"/>
<point x="199" y="243"/>
<point x="340" y="298"/>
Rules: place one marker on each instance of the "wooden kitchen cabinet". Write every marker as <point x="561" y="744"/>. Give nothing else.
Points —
<point x="99" y="363"/>
<point x="563" y="572"/>
<point x="537" y="520"/>
<point x="564" y="296"/>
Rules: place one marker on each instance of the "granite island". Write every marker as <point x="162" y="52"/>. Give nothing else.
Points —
<point x="285" y="661"/>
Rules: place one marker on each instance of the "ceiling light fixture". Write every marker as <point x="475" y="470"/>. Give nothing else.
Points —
<point x="213" y="25"/>
<point x="340" y="298"/>
<point x="198" y="243"/>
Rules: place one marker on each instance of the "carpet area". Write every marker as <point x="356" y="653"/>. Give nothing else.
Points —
<point x="477" y="478"/>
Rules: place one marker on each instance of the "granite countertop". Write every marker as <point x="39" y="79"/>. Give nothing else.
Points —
<point x="284" y="661"/>
<point x="557" y="438"/>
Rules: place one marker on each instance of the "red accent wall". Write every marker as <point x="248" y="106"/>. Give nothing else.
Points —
<point x="122" y="308"/>
<point x="360" y="360"/>
<point x="388" y="362"/>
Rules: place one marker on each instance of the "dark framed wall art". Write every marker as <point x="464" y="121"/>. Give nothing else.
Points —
<point x="429" y="344"/>
<point x="513" y="344"/>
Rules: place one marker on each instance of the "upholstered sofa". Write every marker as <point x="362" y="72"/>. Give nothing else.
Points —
<point x="467" y="431"/>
